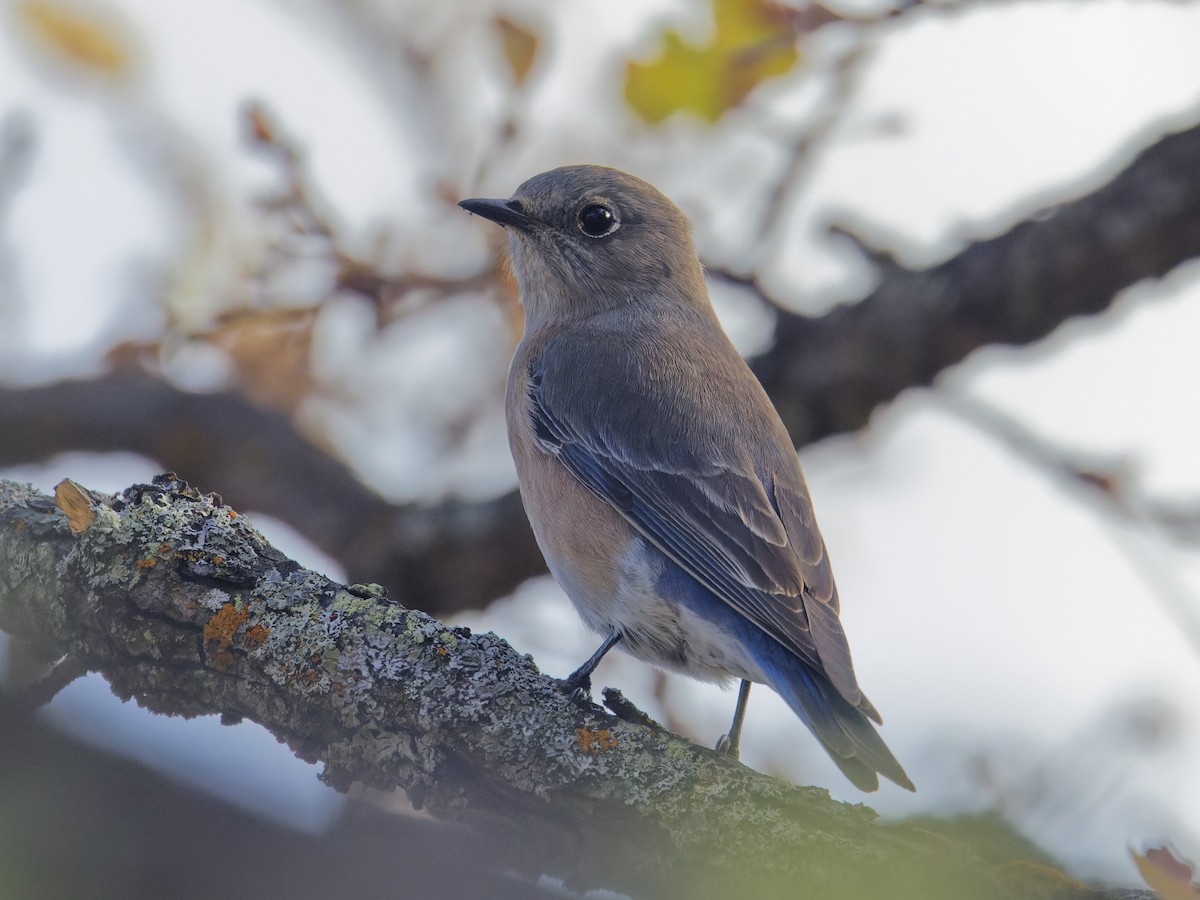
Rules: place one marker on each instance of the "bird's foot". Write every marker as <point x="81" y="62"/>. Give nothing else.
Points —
<point x="728" y="745"/>
<point x="578" y="688"/>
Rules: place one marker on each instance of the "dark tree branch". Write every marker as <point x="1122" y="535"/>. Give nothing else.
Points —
<point x="827" y="374"/>
<point x="452" y="556"/>
<point x="182" y="606"/>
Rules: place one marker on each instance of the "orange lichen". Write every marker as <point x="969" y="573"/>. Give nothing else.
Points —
<point x="595" y="740"/>
<point x="257" y="634"/>
<point x="442" y="651"/>
<point x="219" y="632"/>
<point x="147" y="563"/>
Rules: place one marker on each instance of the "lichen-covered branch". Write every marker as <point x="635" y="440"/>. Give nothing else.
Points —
<point x="180" y="604"/>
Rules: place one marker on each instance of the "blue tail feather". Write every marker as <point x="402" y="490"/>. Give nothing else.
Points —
<point x="844" y="730"/>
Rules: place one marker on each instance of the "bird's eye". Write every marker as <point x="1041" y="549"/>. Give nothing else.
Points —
<point x="597" y="220"/>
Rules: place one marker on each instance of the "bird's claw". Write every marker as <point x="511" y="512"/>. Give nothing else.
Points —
<point x="578" y="690"/>
<point x="727" y="747"/>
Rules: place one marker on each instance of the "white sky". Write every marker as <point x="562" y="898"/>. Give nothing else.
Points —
<point x="993" y="615"/>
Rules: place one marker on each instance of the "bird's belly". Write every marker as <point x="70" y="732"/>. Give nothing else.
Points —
<point x="619" y="581"/>
<point x="655" y="623"/>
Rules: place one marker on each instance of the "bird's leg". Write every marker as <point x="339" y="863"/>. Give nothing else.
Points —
<point x="579" y="683"/>
<point x="731" y="743"/>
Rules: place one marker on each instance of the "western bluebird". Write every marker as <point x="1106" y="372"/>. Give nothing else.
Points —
<point x="661" y="484"/>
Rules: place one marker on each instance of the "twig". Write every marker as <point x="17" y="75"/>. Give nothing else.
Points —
<point x="16" y="153"/>
<point x="846" y="77"/>
<point x="1108" y="478"/>
<point x="1110" y="481"/>
<point x="303" y="212"/>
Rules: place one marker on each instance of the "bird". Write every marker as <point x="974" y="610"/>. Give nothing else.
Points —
<point x="662" y="486"/>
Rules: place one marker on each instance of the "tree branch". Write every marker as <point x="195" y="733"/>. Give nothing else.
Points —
<point x="827" y="374"/>
<point x="182" y="606"/>
<point x="457" y="555"/>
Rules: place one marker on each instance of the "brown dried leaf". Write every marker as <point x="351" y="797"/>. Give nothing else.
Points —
<point x="133" y="356"/>
<point x="271" y="351"/>
<point x="1166" y="874"/>
<point x="76" y="504"/>
<point x="261" y="129"/>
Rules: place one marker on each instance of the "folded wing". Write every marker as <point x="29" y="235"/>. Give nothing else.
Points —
<point x="748" y="535"/>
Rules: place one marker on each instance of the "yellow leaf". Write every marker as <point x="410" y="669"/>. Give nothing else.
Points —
<point x="80" y="34"/>
<point x="753" y="40"/>
<point x="520" y="46"/>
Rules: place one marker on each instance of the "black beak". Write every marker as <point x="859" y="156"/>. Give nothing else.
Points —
<point x="502" y="212"/>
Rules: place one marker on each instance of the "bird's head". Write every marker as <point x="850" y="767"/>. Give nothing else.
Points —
<point x="586" y="239"/>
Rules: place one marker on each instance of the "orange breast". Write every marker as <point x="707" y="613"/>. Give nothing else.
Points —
<point x="582" y="538"/>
